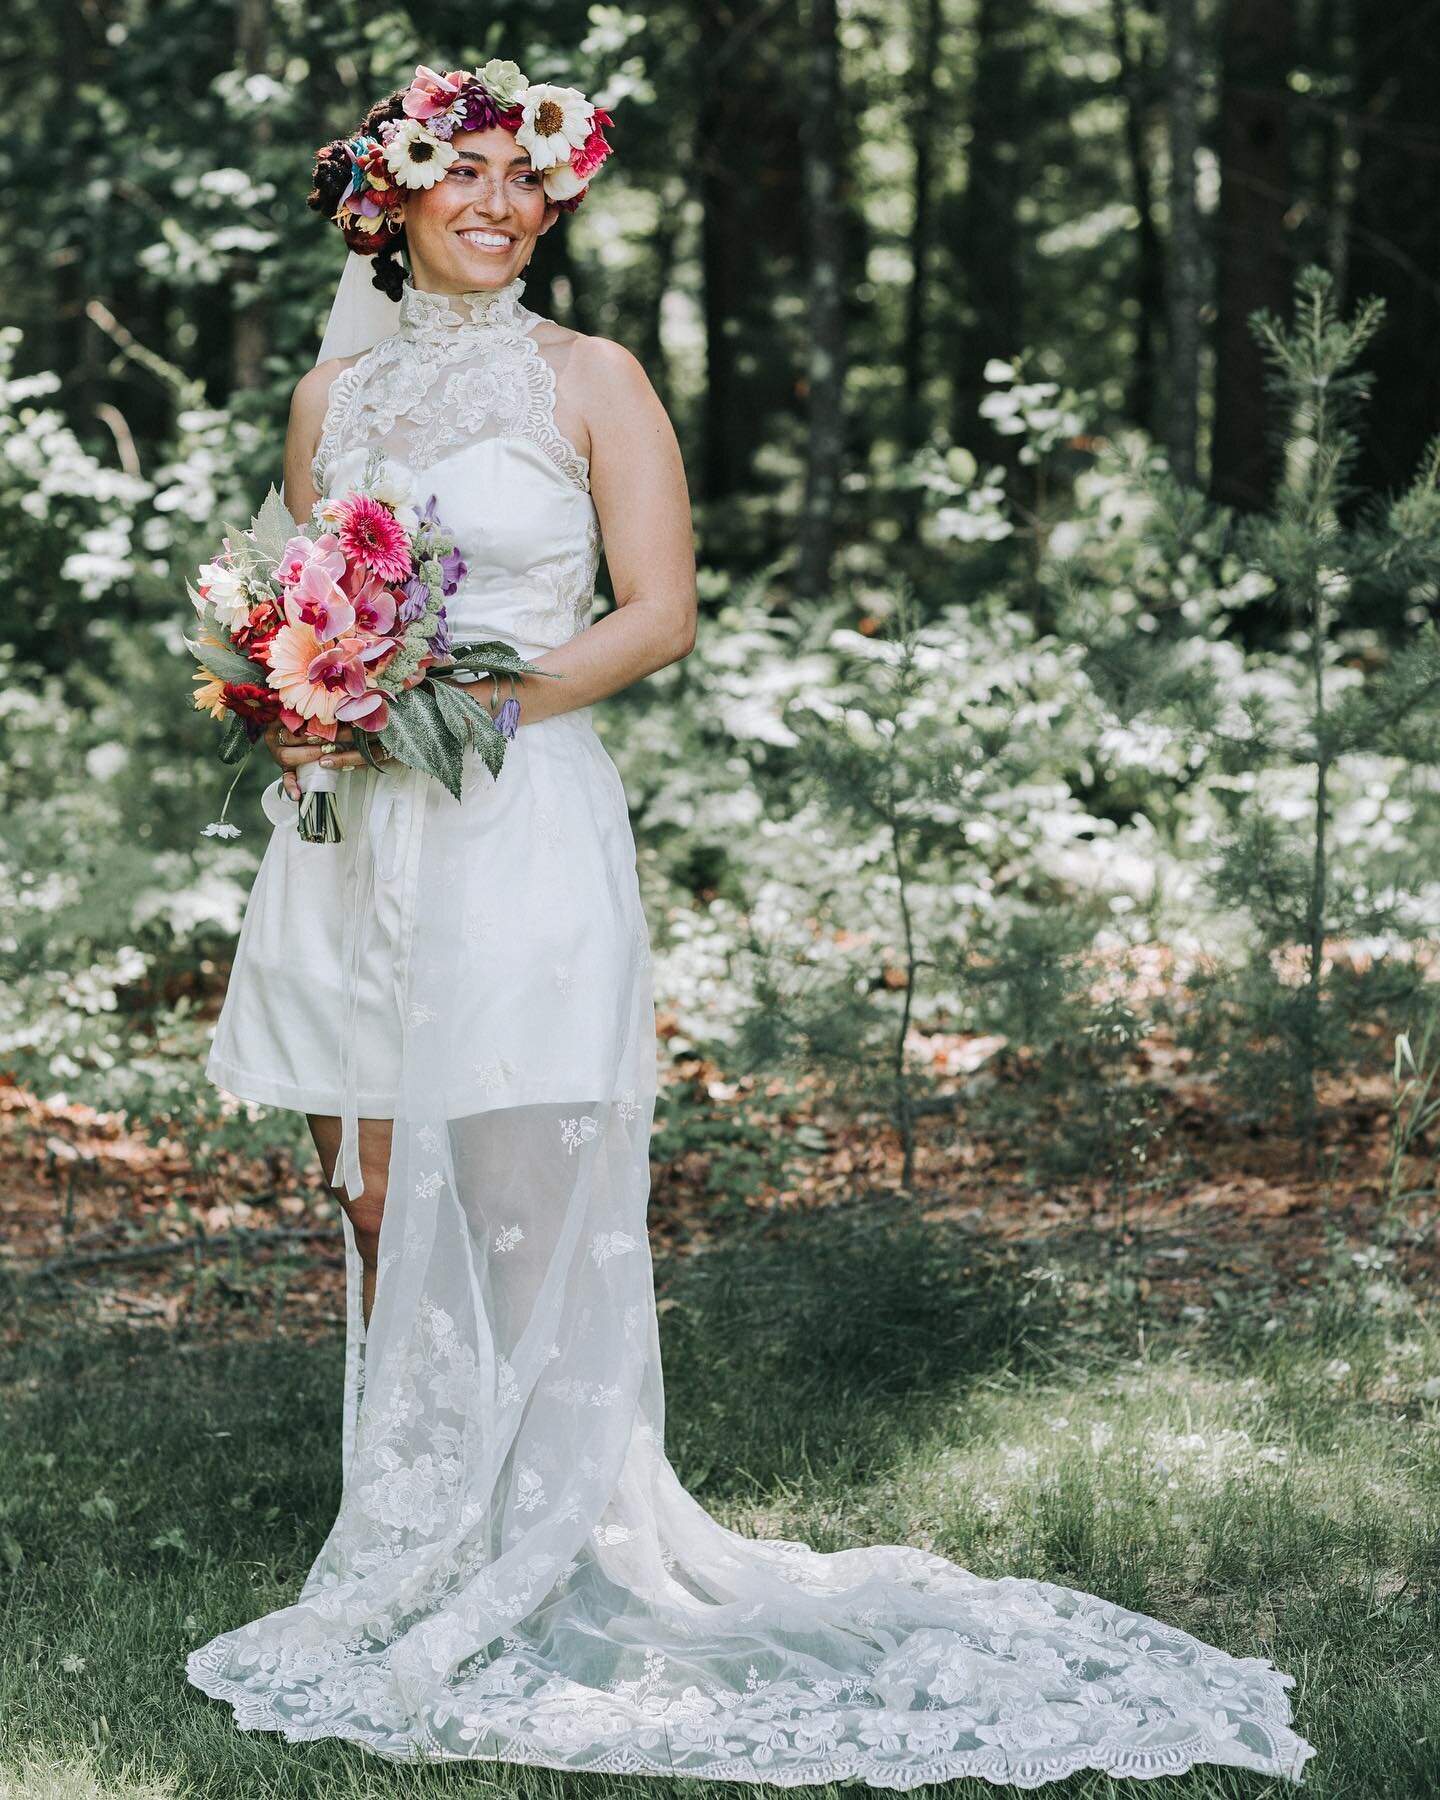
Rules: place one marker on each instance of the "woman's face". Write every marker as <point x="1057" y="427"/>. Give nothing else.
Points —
<point x="490" y="192"/>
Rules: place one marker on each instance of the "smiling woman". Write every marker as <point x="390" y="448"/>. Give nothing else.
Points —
<point x="459" y="994"/>
<point x="436" y="129"/>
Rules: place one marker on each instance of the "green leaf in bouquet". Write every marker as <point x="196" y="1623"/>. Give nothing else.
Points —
<point x="273" y="527"/>
<point x="225" y="663"/>
<point x="468" y="718"/>
<point x="235" y="742"/>
<point x="365" y="743"/>
<point x="418" y="736"/>
<point x="496" y="658"/>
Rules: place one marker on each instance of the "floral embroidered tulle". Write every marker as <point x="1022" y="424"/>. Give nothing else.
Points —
<point x="460" y="368"/>
<point x="516" y="1572"/>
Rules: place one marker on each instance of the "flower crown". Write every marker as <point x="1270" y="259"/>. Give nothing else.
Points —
<point x="558" y="126"/>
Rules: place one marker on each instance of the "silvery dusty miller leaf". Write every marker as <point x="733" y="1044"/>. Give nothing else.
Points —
<point x="272" y="527"/>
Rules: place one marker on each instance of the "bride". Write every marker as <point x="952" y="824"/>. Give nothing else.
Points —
<point x="459" y="997"/>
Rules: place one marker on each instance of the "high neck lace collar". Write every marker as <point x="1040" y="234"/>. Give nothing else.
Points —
<point x="423" y="313"/>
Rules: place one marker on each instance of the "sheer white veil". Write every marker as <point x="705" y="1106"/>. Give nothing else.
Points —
<point x="360" y="315"/>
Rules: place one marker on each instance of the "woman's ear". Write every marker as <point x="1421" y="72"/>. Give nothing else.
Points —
<point x="552" y="213"/>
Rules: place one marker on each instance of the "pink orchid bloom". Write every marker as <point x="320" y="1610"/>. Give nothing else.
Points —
<point x="340" y="667"/>
<point x="370" y="711"/>
<point x="318" y="601"/>
<point x="430" y="93"/>
<point x="302" y="553"/>
<point x="374" y="607"/>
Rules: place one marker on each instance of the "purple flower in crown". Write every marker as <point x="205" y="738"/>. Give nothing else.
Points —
<point x="480" y="112"/>
<point x="453" y="571"/>
<point x="430" y="515"/>
<point x="417" y="598"/>
<point x="440" y="644"/>
<point x="507" y="720"/>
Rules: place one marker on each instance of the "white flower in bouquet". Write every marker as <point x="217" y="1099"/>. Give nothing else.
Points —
<point x="225" y="590"/>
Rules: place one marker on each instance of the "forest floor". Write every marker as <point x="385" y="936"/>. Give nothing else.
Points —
<point x="1213" y="1396"/>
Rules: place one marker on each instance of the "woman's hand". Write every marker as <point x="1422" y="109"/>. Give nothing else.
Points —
<point x="291" y="748"/>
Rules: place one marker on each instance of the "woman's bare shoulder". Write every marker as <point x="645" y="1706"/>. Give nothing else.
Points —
<point x="312" y="391"/>
<point x="607" y="369"/>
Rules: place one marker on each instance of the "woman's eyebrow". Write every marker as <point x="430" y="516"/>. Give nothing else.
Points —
<point x="480" y="157"/>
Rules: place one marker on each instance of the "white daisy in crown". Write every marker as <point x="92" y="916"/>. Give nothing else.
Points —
<point x="416" y="157"/>
<point x="557" y="121"/>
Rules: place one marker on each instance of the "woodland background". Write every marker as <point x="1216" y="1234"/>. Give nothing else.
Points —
<point x="1039" y="845"/>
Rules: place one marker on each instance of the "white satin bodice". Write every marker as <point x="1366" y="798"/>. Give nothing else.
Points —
<point x="463" y="399"/>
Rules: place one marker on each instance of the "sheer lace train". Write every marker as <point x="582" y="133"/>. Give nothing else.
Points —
<point x="515" y="1571"/>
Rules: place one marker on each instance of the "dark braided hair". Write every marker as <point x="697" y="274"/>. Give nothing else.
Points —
<point x="333" y="171"/>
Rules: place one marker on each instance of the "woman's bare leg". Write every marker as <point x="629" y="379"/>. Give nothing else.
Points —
<point x="364" y="1213"/>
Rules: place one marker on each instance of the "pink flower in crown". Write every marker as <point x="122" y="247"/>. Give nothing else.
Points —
<point x="302" y="553"/>
<point x="316" y="600"/>
<point x="588" y="158"/>
<point x="371" y="534"/>
<point x="430" y="93"/>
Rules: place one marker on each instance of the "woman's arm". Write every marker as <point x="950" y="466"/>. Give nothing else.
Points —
<point x="637" y="481"/>
<point x="302" y="438"/>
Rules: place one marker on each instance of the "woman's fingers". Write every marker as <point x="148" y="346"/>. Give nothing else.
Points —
<point x="291" y="783"/>
<point x="292" y="748"/>
<point x="289" y="758"/>
<point x="350" y="759"/>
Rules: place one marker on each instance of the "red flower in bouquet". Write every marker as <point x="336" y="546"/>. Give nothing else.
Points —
<point x="257" y="704"/>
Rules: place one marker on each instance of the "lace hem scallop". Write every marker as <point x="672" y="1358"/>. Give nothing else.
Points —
<point x="647" y="1747"/>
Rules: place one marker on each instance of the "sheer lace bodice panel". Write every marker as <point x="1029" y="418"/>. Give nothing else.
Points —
<point x="463" y="397"/>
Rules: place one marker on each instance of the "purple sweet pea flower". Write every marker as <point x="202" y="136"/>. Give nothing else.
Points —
<point x="417" y="598"/>
<point x="453" y="571"/>
<point x="430" y="516"/>
<point x="507" y="720"/>
<point x="440" y="643"/>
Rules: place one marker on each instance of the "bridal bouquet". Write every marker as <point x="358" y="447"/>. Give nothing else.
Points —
<point x="342" y="621"/>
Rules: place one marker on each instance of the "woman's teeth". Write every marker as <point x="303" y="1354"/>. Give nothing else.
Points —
<point x="486" y="240"/>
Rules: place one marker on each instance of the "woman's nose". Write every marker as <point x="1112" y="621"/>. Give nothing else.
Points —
<point x="487" y="195"/>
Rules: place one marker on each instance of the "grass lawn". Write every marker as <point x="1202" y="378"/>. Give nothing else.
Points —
<point x="1272" y="1487"/>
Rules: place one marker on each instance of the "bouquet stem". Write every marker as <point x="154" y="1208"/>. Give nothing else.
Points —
<point x="319" y="814"/>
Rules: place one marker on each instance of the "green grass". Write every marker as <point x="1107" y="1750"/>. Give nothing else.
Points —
<point x="864" y="1381"/>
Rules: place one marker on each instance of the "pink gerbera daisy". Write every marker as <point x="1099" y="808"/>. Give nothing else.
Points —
<point x="372" y="535"/>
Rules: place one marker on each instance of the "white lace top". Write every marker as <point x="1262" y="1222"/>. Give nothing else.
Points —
<point x="464" y="398"/>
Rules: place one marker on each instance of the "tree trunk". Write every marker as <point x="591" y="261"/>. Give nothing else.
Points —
<point x="664" y="245"/>
<point x="1343" y="160"/>
<point x="990" y="230"/>
<point x="725" y="163"/>
<point x="927" y="28"/>
<point x="1185" y="260"/>
<point x="1395" y="242"/>
<point x="825" y="374"/>
<point x="250" y="332"/>
<point x="1135" y="87"/>
<point x="1253" y="263"/>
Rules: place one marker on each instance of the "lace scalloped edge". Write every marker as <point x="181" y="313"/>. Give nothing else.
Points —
<point x="326" y="448"/>
<point x="569" y="461"/>
<point x="256" y="1713"/>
